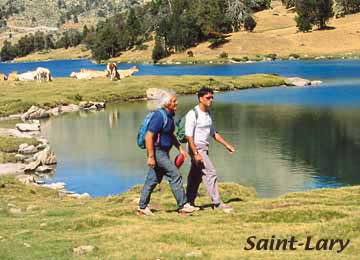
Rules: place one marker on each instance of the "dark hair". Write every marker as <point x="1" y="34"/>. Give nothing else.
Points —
<point x="205" y="90"/>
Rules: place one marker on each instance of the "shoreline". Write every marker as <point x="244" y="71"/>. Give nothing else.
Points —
<point x="194" y="61"/>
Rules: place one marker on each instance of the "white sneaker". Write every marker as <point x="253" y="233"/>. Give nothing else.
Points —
<point x="146" y="211"/>
<point x="187" y="208"/>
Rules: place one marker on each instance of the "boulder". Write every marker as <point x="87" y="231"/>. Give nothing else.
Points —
<point x="44" y="169"/>
<point x="55" y="186"/>
<point x="83" y="250"/>
<point x="23" y="127"/>
<point x="35" y="112"/>
<point x="20" y="157"/>
<point x="32" y="166"/>
<point x="46" y="156"/>
<point x="27" y="149"/>
<point x="295" y="81"/>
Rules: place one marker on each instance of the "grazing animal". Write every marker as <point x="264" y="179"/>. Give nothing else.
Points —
<point x="95" y="73"/>
<point x="3" y="77"/>
<point x="29" y="75"/>
<point x="128" y="73"/>
<point x="43" y="74"/>
<point x="111" y="71"/>
<point x="13" y="76"/>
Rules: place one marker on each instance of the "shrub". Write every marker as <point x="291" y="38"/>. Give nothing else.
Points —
<point x="249" y="23"/>
<point x="223" y="55"/>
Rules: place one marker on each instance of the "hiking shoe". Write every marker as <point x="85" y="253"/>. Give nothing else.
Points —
<point x="225" y="207"/>
<point x="187" y="208"/>
<point x="146" y="211"/>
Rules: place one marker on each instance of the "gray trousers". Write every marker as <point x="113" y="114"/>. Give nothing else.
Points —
<point x="202" y="172"/>
<point x="164" y="167"/>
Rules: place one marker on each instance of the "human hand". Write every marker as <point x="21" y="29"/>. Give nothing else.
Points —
<point x="198" y="158"/>
<point x="151" y="162"/>
<point x="230" y="148"/>
<point x="183" y="152"/>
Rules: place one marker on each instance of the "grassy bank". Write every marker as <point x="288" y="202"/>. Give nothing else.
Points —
<point x="17" y="97"/>
<point x="36" y="223"/>
<point x="10" y="145"/>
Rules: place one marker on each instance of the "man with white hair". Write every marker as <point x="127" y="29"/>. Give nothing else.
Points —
<point x="159" y="140"/>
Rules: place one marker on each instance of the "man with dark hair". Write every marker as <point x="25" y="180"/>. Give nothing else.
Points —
<point x="199" y="128"/>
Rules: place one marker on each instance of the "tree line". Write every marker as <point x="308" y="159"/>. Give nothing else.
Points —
<point x="175" y="24"/>
<point x="318" y="12"/>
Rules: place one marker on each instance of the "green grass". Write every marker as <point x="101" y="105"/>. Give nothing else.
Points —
<point x="55" y="225"/>
<point x="10" y="145"/>
<point x="17" y="97"/>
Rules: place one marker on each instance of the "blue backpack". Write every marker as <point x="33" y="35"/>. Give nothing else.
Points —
<point x="145" y="125"/>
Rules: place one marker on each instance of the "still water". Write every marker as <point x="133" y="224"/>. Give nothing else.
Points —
<point x="287" y="139"/>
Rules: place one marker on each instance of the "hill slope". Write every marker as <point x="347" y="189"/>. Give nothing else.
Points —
<point x="275" y="32"/>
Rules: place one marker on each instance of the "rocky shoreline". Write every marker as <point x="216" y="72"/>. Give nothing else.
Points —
<point x="34" y="162"/>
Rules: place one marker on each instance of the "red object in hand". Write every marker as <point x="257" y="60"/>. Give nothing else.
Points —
<point x="179" y="160"/>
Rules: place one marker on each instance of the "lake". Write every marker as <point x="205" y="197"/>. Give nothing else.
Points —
<point x="287" y="139"/>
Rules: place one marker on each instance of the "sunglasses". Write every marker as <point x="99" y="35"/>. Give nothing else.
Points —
<point x="210" y="97"/>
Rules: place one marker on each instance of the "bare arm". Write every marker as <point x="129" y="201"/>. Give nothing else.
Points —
<point x="218" y="138"/>
<point x="178" y="146"/>
<point x="149" y="143"/>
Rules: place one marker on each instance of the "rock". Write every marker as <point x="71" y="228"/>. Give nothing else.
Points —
<point x="82" y="250"/>
<point x="44" y="168"/>
<point x="46" y="156"/>
<point x="32" y="166"/>
<point x="14" y="133"/>
<point x="85" y="196"/>
<point x="20" y="157"/>
<point x="43" y="225"/>
<point x="26" y="179"/>
<point x="35" y="112"/>
<point x="23" y="127"/>
<point x="316" y="82"/>
<point x="41" y="146"/>
<point x="10" y="205"/>
<point x="29" y="160"/>
<point x="295" y="81"/>
<point x="27" y="245"/>
<point x="27" y="149"/>
<point x="53" y="112"/>
<point x="55" y="186"/>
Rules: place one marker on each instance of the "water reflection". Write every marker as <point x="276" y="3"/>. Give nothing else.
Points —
<point x="280" y="148"/>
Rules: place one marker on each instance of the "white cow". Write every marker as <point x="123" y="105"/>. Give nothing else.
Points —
<point x="43" y="74"/>
<point x="29" y="75"/>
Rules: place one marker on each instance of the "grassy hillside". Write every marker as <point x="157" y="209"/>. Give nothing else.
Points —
<point x="275" y="32"/>
<point x="37" y="223"/>
<point x="56" y="15"/>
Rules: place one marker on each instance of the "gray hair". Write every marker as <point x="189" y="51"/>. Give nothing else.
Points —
<point x="165" y="97"/>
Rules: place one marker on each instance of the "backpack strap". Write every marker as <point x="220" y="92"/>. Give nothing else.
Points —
<point x="165" y="118"/>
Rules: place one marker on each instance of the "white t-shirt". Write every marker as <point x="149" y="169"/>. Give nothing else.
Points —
<point x="201" y="129"/>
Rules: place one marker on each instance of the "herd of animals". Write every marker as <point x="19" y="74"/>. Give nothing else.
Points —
<point x="44" y="74"/>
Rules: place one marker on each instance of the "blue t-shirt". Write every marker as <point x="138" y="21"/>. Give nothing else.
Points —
<point x="156" y="127"/>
